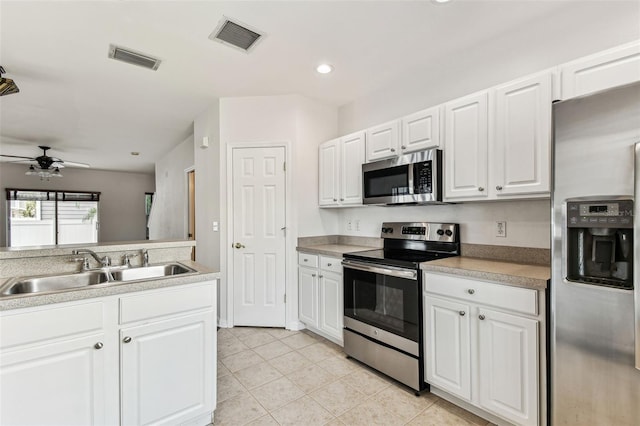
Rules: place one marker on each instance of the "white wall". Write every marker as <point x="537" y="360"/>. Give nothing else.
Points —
<point x="122" y="209"/>
<point x="568" y="35"/>
<point x="301" y="124"/>
<point x="169" y="219"/>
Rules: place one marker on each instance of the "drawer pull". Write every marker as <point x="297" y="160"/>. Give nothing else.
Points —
<point x="328" y="264"/>
<point x="481" y="317"/>
<point x="471" y="291"/>
<point x="462" y="313"/>
<point x="98" y="345"/>
<point x="305" y="260"/>
<point x="313" y="275"/>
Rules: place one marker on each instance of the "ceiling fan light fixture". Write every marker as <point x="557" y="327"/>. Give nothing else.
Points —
<point x="7" y="86"/>
<point x="56" y="173"/>
<point x="31" y="171"/>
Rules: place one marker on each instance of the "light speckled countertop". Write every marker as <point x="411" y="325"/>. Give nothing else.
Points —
<point x="515" y="274"/>
<point x="107" y="289"/>
<point x="336" y="250"/>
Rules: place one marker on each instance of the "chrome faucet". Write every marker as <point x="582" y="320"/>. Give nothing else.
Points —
<point x="104" y="261"/>
<point x="126" y="259"/>
<point x="145" y="258"/>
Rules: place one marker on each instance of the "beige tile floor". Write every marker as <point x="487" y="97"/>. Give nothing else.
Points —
<point x="270" y="376"/>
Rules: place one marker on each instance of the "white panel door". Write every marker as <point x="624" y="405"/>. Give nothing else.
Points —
<point x="383" y="141"/>
<point x="66" y="379"/>
<point x="465" y="153"/>
<point x="308" y="296"/>
<point x="259" y="236"/>
<point x="508" y="363"/>
<point x="328" y="174"/>
<point x="331" y="304"/>
<point x="520" y="149"/>
<point x="173" y="354"/>
<point x="448" y="346"/>
<point x="421" y="130"/>
<point x="351" y="160"/>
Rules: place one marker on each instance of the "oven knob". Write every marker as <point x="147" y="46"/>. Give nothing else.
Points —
<point x="448" y="232"/>
<point x="440" y="232"/>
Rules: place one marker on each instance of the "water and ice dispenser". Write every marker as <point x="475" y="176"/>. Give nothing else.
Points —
<point x="600" y="242"/>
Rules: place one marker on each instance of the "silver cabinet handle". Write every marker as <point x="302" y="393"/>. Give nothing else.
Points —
<point x="481" y="317"/>
<point x="328" y="264"/>
<point x="320" y="276"/>
<point x="313" y="275"/>
<point x="471" y="291"/>
<point x="335" y="199"/>
<point x="403" y="147"/>
<point x="305" y="260"/>
<point x="238" y="246"/>
<point x="462" y="313"/>
<point x="480" y="189"/>
<point x="98" y="345"/>
<point x="341" y="199"/>
<point x="393" y="150"/>
<point x="498" y="187"/>
<point x="127" y="339"/>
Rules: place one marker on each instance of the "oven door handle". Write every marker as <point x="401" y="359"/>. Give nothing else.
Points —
<point x="409" y="274"/>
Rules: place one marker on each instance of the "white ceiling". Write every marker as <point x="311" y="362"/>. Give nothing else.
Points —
<point x="93" y="109"/>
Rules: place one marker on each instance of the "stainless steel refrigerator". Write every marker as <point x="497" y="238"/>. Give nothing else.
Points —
<point x="595" y="288"/>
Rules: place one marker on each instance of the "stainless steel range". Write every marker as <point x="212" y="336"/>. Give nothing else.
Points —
<point x="383" y="297"/>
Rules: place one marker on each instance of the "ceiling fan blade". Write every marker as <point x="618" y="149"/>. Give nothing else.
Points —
<point x="72" y="164"/>
<point x="17" y="156"/>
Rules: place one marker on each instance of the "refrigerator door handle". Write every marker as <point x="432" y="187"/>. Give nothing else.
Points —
<point x="636" y="245"/>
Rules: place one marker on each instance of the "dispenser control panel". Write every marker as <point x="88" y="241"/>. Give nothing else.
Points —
<point x="600" y="214"/>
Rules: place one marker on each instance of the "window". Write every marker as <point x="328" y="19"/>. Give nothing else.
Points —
<point x="52" y="217"/>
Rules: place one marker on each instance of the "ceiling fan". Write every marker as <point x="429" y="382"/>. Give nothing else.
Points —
<point x="45" y="166"/>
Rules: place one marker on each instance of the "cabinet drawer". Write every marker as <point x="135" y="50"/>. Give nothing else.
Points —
<point x="332" y="264"/>
<point x="50" y="323"/>
<point x="310" y="260"/>
<point x="515" y="299"/>
<point x="165" y="302"/>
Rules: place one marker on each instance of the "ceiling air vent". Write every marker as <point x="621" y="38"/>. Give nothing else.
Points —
<point x="134" y="58"/>
<point x="233" y="34"/>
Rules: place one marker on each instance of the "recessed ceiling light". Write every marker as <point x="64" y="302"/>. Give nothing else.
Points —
<point x="324" y="68"/>
<point x="441" y="1"/>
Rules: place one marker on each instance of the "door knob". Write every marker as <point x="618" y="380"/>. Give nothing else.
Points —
<point x="238" y="246"/>
<point x="127" y="339"/>
<point x="481" y="189"/>
<point x="462" y="313"/>
<point x="481" y="317"/>
<point x="98" y="345"/>
<point x="498" y="187"/>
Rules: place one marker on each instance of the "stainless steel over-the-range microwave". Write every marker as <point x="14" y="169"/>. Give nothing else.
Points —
<point x="414" y="178"/>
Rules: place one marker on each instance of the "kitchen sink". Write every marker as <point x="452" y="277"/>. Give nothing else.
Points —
<point x="55" y="282"/>
<point x="86" y="279"/>
<point x="148" y="272"/>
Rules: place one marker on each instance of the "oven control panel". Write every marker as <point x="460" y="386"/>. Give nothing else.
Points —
<point x="424" y="231"/>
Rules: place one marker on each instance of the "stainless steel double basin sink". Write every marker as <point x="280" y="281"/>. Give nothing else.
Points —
<point x="86" y="279"/>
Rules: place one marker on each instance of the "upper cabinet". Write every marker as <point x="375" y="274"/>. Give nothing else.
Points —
<point x="383" y="141"/>
<point x="613" y="67"/>
<point x="421" y="130"/>
<point x="497" y="142"/>
<point x="340" y="171"/>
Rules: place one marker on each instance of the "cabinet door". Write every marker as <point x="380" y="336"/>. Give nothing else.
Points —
<point x="520" y="149"/>
<point x="613" y="67"/>
<point x="308" y="296"/>
<point x="331" y="304"/>
<point x="383" y="141"/>
<point x="328" y="176"/>
<point x="166" y="370"/>
<point x="421" y="130"/>
<point x="59" y="383"/>
<point x="465" y="153"/>
<point x="508" y="363"/>
<point x="448" y="346"/>
<point x="351" y="160"/>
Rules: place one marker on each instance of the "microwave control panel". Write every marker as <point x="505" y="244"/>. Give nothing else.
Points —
<point x="422" y="178"/>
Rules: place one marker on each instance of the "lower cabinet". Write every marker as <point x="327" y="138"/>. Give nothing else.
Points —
<point x="140" y="358"/>
<point x="320" y="295"/>
<point x="479" y="353"/>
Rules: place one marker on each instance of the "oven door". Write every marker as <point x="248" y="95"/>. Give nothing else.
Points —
<point x="384" y="297"/>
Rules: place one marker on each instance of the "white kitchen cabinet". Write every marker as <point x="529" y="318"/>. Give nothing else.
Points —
<point x="59" y="383"/>
<point x="320" y="292"/>
<point x="508" y="365"/>
<point x="164" y="370"/>
<point x="498" y="142"/>
<point x="448" y="346"/>
<point x="610" y="68"/>
<point x="139" y="358"/>
<point x="420" y="131"/>
<point x="383" y="141"/>
<point x="340" y="171"/>
<point x="465" y="147"/>
<point x="482" y="345"/>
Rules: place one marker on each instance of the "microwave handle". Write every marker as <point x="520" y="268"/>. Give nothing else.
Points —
<point x="410" y="179"/>
<point x="636" y="244"/>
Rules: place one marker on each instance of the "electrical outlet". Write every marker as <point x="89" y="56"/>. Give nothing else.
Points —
<point x="349" y="225"/>
<point x="358" y="225"/>
<point x="501" y="229"/>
